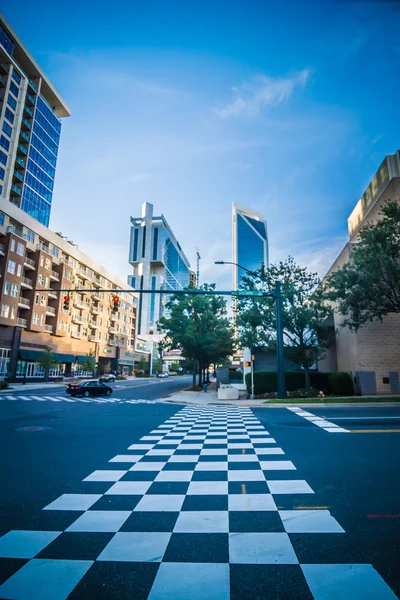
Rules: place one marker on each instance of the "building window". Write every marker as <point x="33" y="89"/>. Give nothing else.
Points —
<point x="4" y="142"/>
<point x="54" y="251"/>
<point x="5" y="354"/>
<point x="42" y="320"/>
<point x="11" y="267"/>
<point x="14" y="290"/>
<point x="6" y="287"/>
<point x="12" y="246"/>
<point x="47" y="281"/>
<point x="144" y="242"/>
<point x="11" y="102"/>
<point x="47" y="263"/>
<point x="155" y="243"/>
<point x="42" y="261"/>
<point x="2" y="175"/>
<point x="13" y="312"/>
<point x="9" y="115"/>
<point x="16" y="76"/>
<point x="42" y="300"/>
<point x="135" y="244"/>
<point x="7" y="129"/>
<point x="14" y="89"/>
<point x="20" y="249"/>
<point x="36" y="318"/>
<point x="41" y="279"/>
<point x="19" y="270"/>
<point x="60" y="324"/>
<point x="37" y="299"/>
<point x="4" y="311"/>
<point x="3" y="158"/>
<point x="30" y="236"/>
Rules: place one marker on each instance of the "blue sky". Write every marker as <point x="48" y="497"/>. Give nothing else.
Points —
<point x="287" y="107"/>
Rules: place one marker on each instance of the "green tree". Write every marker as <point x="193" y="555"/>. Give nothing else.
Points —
<point x="142" y="364"/>
<point x="304" y="312"/>
<point x="157" y="365"/>
<point x="368" y="287"/>
<point x="198" y="326"/>
<point x="89" y="364"/>
<point x="46" y="360"/>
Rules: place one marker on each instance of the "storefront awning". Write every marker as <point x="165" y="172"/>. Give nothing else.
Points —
<point x="60" y="358"/>
<point x="126" y="361"/>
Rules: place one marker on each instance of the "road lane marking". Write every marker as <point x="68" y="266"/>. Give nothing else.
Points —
<point x="362" y="418"/>
<point x="318" y="421"/>
<point x="374" y="430"/>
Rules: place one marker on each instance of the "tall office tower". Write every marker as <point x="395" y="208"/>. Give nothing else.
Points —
<point x="158" y="262"/>
<point x="30" y="125"/>
<point x="250" y="242"/>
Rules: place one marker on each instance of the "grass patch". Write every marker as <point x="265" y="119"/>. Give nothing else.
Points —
<point x="336" y="400"/>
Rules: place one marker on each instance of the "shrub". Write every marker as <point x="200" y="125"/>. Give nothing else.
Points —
<point x="336" y="383"/>
<point x="120" y="377"/>
<point x="4" y="385"/>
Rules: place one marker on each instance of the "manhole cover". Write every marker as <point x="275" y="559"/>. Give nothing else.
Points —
<point x="34" y="428"/>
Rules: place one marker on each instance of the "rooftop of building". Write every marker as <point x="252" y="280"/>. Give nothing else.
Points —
<point x="25" y="61"/>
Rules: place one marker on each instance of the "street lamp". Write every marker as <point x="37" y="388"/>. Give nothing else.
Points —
<point x="280" y="355"/>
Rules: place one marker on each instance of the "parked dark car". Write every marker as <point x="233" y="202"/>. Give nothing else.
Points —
<point x="88" y="388"/>
<point x="107" y="378"/>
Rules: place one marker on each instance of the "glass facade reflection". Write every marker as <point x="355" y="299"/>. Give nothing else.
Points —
<point x="250" y="248"/>
<point x="42" y="158"/>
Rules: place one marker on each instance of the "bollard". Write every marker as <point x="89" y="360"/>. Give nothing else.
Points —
<point x="205" y="387"/>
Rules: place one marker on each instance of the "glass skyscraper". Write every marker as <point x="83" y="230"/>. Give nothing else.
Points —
<point x="250" y="242"/>
<point x="30" y="126"/>
<point x="158" y="262"/>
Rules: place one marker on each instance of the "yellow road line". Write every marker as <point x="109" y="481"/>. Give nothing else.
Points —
<point x="374" y="430"/>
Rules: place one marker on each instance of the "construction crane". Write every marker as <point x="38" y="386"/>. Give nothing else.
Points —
<point x="198" y="267"/>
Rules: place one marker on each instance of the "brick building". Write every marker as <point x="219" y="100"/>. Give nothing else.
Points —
<point x="372" y="354"/>
<point x="34" y="259"/>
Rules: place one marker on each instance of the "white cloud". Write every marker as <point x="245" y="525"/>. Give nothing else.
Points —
<point x="262" y="91"/>
<point x="138" y="177"/>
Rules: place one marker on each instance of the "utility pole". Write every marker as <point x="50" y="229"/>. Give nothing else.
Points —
<point x="198" y="267"/>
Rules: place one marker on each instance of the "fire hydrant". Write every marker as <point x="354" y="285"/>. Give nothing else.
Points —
<point x="321" y="396"/>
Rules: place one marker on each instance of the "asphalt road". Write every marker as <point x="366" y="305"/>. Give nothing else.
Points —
<point x="354" y="476"/>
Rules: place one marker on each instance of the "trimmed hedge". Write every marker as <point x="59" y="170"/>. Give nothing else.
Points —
<point x="336" y="383"/>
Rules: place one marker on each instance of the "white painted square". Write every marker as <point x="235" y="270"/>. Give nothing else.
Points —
<point x="151" y="438"/>
<point x="141" y="447"/>
<point x="277" y="465"/>
<point x="100" y="520"/>
<point x="346" y="582"/>
<point x="243" y="502"/>
<point x="261" y="440"/>
<point x="160" y="503"/>
<point x="214" y="451"/>
<point x="165" y="452"/>
<point x="291" y="486"/>
<point x="129" y="488"/>
<point x="136" y="547"/>
<point x="25" y="544"/>
<point x="190" y="446"/>
<point x="126" y="458"/>
<point x="169" y="442"/>
<point x="73" y="502"/>
<point x="239" y="445"/>
<point x="184" y="458"/>
<point x="309" y="521"/>
<point x="246" y="475"/>
<point x="205" y="488"/>
<point x="244" y="458"/>
<point x="197" y="581"/>
<point x="261" y="549"/>
<point x="215" y="441"/>
<point x="105" y="476"/>
<point x="212" y="466"/>
<point x="148" y="466"/>
<point x="261" y="451"/>
<point x="202" y="521"/>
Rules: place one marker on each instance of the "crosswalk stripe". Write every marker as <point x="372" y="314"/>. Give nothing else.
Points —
<point x="24" y="397"/>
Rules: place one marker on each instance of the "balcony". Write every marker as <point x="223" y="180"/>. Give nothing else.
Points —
<point x="4" y="67"/>
<point x="75" y="333"/>
<point x="55" y="276"/>
<point x="79" y="303"/>
<point x="78" y="319"/>
<point x="21" y="148"/>
<point x="53" y="295"/>
<point x="21" y="322"/>
<point x="93" y="324"/>
<point x="96" y="310"/>
<point x="2" y="250"/>
<point x="43" y="247"/>
<point x="24" y="302"/>
<point x="26" y="123"/>
<point x="30" y="98"/>
<point x="16" y="231"/>
<point x="28" y="110"/>
<point x="33" y="85"/>
<point x="24" y="135"/>
<point x="96" y="280"/>
<point x="112" y="342"/>
<point x="114" y="317"/>
<point x="97" y="295"/>
<point x="93" y="338"/>
<point x="20" y="161"/>
<point x="50" y="311"/>
<point x="113" y="330"/>
<point x="25" y="282"/>
<point x="29" y="263"/>
<point x="48" y="328"/>
<point x="15" y="190"/>
<point x="19" y="175"/>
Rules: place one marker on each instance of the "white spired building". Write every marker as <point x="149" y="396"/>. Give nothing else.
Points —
<point x="158" y="262"/>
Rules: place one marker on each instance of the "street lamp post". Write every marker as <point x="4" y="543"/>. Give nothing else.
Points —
<point x="280" y="355"/>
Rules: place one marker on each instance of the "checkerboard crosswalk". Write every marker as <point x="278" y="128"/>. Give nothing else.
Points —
<point x="77" y="399"/>
<point x="191" y="510"/>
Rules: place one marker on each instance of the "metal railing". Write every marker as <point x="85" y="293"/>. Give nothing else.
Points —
<point x="55" y="275"/>
<point x="48" y="328"/>
<point x="24" y="301"/>
<point x="27" y="281"/>
<point x="30" y="262"/>
<point x="21" y="322"/>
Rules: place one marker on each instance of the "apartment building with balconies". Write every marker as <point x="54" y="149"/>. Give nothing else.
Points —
<point x="36" y="264"/>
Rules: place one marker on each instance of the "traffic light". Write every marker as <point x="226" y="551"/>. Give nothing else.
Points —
<point x="66" y="303"/>
<point x="115" y="304"/>
<point x="247" y="363"/>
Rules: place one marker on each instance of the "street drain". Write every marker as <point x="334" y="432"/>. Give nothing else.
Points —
<point x="34" y="428"/>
